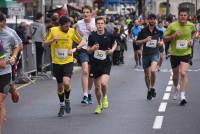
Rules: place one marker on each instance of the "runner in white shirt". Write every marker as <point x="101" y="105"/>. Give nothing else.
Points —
<point x="85" y="27"/>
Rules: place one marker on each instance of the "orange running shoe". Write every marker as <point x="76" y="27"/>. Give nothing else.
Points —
<point x="14" y="94"/>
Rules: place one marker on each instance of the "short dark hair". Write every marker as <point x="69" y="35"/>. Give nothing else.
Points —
<point x="87" y="7"/>
<point x="38" y="16"/>
<point x="63" y="20"/>
<point x="100" y="18"/>
<point x="2" y="17"/>
<point x="183" y="9"/>
<point x="152" y="16"/>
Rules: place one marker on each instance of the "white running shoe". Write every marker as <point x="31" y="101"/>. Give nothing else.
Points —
<point x="176" y="93"/>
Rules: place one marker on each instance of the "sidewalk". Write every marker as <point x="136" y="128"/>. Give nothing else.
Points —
<point x="46" y="75"/>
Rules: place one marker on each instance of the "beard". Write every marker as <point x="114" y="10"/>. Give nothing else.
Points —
<point x="151" y="24"/>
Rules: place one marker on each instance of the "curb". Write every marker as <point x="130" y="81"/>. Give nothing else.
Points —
<point x="76" y="69"/>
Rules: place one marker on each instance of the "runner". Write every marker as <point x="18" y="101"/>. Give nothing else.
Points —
<point x="85" y="27"/>
<point x="8" y="54"/>
<point x="161" y="29"/>
<point x="101" y="46"/>
<point x="18" y="41"/>
<point x="137" y="48"/>
<point x="60" y="40"/>
<point x="180" y="34"/>
<point x="149" y="37"/>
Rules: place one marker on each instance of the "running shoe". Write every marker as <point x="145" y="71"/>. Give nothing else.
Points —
<point x="105" y="102"/>
<point x="85" y="100"/>
<point x="14" y="94"/>
<point x="98" y="109"/>
<point x="90" y="99"/>
<point x="176" y="93"/>
<point x="183" y="102"/>
<point x="67" y="106"/>
<point x="149" y="96"/>
<point x="158" y="68"/>
<point x="136" y="66"/>
<point x="153" y="92"/>
<point x="61" y="111"/>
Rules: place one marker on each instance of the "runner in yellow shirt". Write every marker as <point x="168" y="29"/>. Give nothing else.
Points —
<point x="180" y="34"/>
<point x="60" y="39"/>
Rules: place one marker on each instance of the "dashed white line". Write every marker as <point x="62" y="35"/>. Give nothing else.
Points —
<point x="170" y="82"/>
<point x="171" y="77"/>
<point x="166" y="96"/>
<point x="162" y="107"/>
<point x="168" y="88"/>
<point x="158" y="122"/>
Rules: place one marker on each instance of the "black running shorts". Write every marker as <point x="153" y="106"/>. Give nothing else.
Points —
<point x="5" y="83"/>
<point x="63" y="70"/>
<point x="176" y="60"/>
<point x="98" y="69"/>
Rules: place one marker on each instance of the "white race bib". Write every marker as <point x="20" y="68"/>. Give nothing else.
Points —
<point x="181" y="44"/>
<point x="61" y="53"/>
<point x="152" y="44"/>
<point x="100" y="54"/>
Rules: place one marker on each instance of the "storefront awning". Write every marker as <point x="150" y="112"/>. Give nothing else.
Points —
<point x="4" y="3"/>
<point x="25" y="1"/>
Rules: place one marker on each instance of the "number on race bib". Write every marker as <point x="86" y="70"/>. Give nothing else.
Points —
<point x="181" y="44"/>
<point x="100" y="55"/>
<point x="61" y="53"/>
<point x="152" y="44"/>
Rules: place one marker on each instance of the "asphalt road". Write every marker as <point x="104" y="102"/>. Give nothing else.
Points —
<point x="129" y="112"/>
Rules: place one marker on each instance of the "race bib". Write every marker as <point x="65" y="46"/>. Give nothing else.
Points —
<point x="152" y="44"/>
<point x="100" y="54"/>
<point x="181" y="44"/>
<point x="61" y="53"/>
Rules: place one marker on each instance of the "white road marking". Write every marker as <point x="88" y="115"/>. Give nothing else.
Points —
<point x="171" y="77"/>
<point x="170" y="82"/>
<point x="25" y="85"/>
<point x="168" y="88"/>
<point x="158" y="122"/>
<point x="162" y="107"/>
<point x="166" y="96"/>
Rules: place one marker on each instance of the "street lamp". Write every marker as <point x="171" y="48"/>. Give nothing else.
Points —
<point x="167" y="8"/>
<point x="51" y="5"/>
<point x="196" y="7"/>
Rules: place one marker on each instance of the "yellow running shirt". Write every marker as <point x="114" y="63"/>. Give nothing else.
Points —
<point x="186" y="34"/>
<point x="60" y="48"/>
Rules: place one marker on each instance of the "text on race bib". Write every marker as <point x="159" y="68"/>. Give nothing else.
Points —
<point x="181" y="44"/>
<point x="61" y="53"/>
<point x="152" y="44"/>
<point x="100" y="54"/>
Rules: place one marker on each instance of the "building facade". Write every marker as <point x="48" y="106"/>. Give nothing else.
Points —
<point x="159" y="7"/>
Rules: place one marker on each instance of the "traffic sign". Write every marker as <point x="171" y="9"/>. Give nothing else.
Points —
<point x="16" y="11"/>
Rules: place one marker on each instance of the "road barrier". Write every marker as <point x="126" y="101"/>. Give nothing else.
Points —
<point x="29" y="59"/>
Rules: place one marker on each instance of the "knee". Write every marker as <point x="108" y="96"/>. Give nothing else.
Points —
<point x="104" y="84"/>
<point x="85" y="72"/>
<point x="183" y="74"/>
